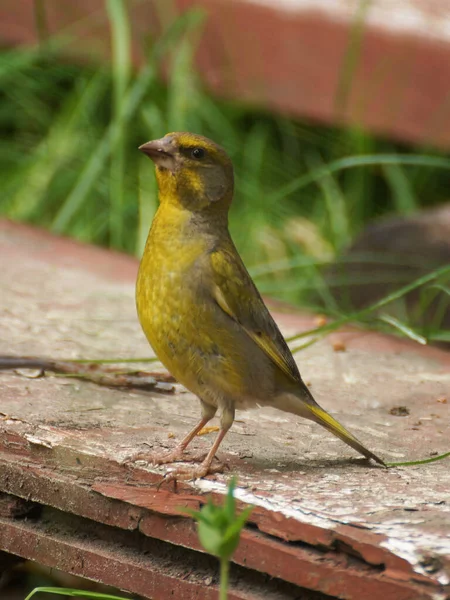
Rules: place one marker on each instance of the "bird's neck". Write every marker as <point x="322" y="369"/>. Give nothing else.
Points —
<point x="174" y="223"/>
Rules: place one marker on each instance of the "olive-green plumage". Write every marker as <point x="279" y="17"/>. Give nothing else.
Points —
<point x="199" y="307"/>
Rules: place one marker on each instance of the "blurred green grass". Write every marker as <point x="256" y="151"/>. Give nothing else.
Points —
<point x="69" y="160"/>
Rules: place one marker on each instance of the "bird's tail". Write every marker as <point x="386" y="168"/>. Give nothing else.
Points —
<point x="308" y="408"/>
<point x="321" y="417"/>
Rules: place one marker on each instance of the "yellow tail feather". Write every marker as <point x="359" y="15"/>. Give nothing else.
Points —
<point x="323" y="418"/>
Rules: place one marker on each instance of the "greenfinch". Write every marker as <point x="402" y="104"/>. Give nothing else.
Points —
<point x="201" y="311"/>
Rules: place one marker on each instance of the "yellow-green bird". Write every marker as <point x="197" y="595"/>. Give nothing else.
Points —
<point x="199" y="307"/>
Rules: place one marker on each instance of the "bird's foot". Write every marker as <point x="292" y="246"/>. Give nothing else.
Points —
<point x="189" y="473"/>
<point x="163" y="458"/>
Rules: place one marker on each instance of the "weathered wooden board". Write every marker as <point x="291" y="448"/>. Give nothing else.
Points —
<point x="324" y="520"/>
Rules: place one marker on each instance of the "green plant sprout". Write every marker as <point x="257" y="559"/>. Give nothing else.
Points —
<point x="219" y="531"/>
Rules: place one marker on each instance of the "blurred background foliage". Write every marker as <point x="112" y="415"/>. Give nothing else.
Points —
<point x="69" y="160"/>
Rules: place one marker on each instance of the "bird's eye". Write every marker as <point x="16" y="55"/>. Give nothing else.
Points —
<point x="197" y="153"/>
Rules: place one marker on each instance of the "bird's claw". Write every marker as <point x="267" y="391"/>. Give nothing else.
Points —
<point x="188" y="473"/>
<point x="175" y="455"/>
<point x="181" y="472"/>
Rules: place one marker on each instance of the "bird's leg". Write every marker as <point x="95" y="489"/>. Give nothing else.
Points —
<point x="175" y="455"/>
<point x="204" y="468"/>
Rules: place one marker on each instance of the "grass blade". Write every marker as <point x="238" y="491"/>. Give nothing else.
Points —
<point x="424" y="461"/>
<point x="351" y="58"/>
<point x="404" y="199"/>
<point x="102" y="151"/>
<point x="73" y="593"/>
<point x="350" y="162"/>
<point x="335" y="205"/>
<point x="407" y="331"/>
<point x="58" y="148"/>
<point x="373" y="308"/>
<point x="121" y="67"/>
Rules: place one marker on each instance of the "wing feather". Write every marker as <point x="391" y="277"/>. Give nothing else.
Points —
<point x="236" y="294"/>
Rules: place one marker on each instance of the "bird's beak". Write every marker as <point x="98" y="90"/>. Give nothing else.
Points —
<point x="161" y="152"/>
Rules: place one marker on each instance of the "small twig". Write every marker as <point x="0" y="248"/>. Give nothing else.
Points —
<point x="101" y="375"/>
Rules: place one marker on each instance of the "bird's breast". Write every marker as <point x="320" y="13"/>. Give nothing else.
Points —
<point x="169" y="301"/>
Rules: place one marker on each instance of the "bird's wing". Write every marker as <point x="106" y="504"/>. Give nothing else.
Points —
<point x="236" y="294"/>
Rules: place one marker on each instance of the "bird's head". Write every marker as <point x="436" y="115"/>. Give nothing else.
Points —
<point x="193" y="171"/>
